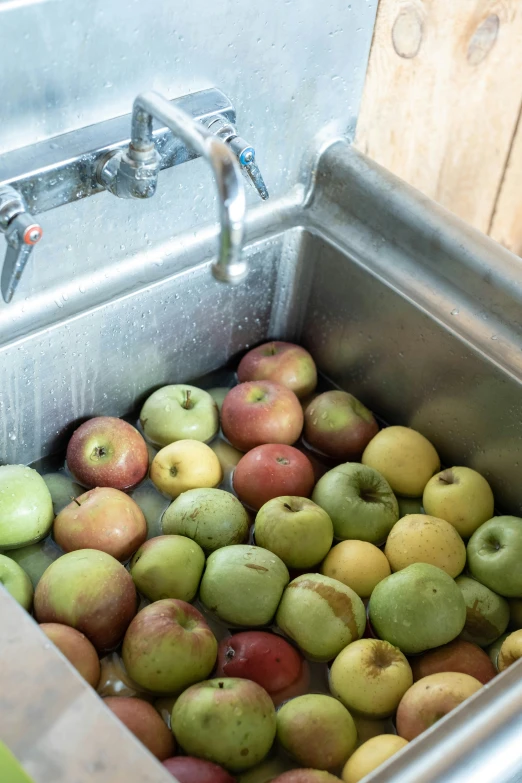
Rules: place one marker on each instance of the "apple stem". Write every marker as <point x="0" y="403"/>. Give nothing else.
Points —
<point x="186" y="404"/>
<point x="73" y="498"/>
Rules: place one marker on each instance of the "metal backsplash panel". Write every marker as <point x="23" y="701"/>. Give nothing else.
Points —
<point x="290" y="68"/>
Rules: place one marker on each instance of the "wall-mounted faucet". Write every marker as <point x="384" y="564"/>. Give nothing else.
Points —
<point x="48" y="174"/>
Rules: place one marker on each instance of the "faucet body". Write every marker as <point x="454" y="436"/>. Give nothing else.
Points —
<point x="134" y="173"/>
<point x="51" y="173"/>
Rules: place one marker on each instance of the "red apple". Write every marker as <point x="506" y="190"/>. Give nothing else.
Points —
<point x="107" y="452"/>
<point x="261" y="412"/>
<point x="141" y="718"/>
<point x="77" y="649"/>
<point x="284" y="363"/>
<point x="270" y="471"/>
<point x="188" y="769"/>
<point x="102" y="518"/>
<point x="168" y="646"/>
<point x="457" y="656"/>
<point x="430" y="699"/>
<point x="90" y="591"/>
<point x="267" y="659"/>
<point x="305" y="776"/>
<point x="338" y="425"/>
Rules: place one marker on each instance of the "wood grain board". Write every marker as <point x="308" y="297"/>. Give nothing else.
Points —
<point x="442" y="103"/>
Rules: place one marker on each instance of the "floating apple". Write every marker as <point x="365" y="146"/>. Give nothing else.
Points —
<point x="321" y="615"/>
<point x="62" y="489"/>
<point x="213" y="518"/>
<point x="494" y="555"/>
<point x="457" y="656"/>
<point x="370" y="676"/>
<point x="218" y="394"/>
<point x="115" y="681"/>
<point x="284" y="363"/>
<point x="338" y="425"/>
<point x="261" y="412"/>
<point x="266" y="659"/>
<point x="316" y="730"/>
<point x="430" y="699"/>
<point x="103" y="518"/>
<point x="487" y="614"/>
<point x="417" y="608"/>
<point x="142" y="719"/>
<point x="168" y="567"/>
<point x="510" y="651"/>
<point x="179" y="412"/>
<point x="35" y="558"/>
<point x="270" y="471"/>
<point x="227" y="720"/>
<point x="357" y="564"/>
<point x="462" y="497"/>
<point x="183" y="465"/>
<point x="228" y="457"/>
<point x="107" y="452"/>
<point x="77" y="649"/>
<point x="189" y="769"/>
<point x="26" y="507"/>
<point x="369" y="756"/>
<point x="359" y="501"/>
<point x="419" y="538"/>
<point x="168" y="646"/>
<point x="243" y="584"/>
<point x="152" y="504"/>
<point x="296" y="529"/>
<point x="90" y="591"/>
<point x="16" y="582"/>
<point x="405" y="458"/>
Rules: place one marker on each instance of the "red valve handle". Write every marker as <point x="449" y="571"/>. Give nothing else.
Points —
<point x="32" y="234"/>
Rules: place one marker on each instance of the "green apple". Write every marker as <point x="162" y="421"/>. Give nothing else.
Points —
<point x="169" y="646"/>
<point x="62" y="489"/>
<point x="487" y="614"/>
<point x="179" y="412"/>
<point x="152" y="504"/>
<point x="35" y="558"/>
<point x="462" y="497"/>
<point x="26" y="507"/>
<point x="359" y="501"/>
<point x="229" y="721"/>
<point x="321" y="615"/>
<point x="211" y="517"/>
<point x="296" y="529"/>
<point x="168" y="567"/>
<point x="409" y="506"/>
<point x="417" y="608"/>
<point x="494" y="555"/>
<point x="16" y="581"/>
<point x="371" y="676"/>
<point x="243" y="584"/>
<point x="317" y="730"/>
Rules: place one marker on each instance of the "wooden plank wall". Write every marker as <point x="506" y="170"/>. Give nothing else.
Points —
<point x="442" y="105"/>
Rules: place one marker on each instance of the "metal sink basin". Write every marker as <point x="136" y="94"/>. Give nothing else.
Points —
<point x="399" y="302"/>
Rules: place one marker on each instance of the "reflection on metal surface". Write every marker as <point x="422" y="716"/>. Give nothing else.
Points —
<point x="55" y="173"/>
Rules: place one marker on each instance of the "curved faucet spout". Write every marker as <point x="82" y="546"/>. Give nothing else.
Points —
<point x="229" y="267"/>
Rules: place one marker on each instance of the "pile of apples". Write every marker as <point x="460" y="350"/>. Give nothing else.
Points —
<point x="364" y="557"/>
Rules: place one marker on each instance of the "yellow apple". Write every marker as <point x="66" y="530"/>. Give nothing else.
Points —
<point x="419" y="538"/>
<point x="405" y="458"/>
<point x="357" y="564"/>
<point x="185" y="464"/>
<point x="510" y="651"/>
<point x="371" y="755"/>
<point x="462" y="497"/>
<point x="370" y="677"/>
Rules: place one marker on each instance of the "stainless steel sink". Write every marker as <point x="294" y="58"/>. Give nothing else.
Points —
<point x="399" y="302"/>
